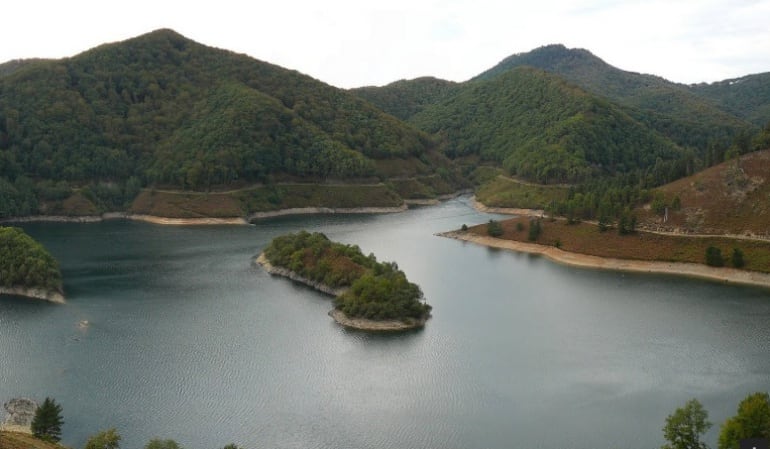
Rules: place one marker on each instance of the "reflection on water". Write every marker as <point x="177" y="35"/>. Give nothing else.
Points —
<point x="186" y="340"/>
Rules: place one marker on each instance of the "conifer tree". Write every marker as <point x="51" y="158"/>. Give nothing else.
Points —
<point x="48" y="420"/>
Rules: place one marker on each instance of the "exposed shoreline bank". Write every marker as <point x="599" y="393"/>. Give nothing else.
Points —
<point x="338" y="315"/>
<point x="722" y="274"/>
<point x="34" y="293"/>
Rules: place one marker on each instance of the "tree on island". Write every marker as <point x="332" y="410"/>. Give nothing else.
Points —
<point x="752" y="421"/>
<point x="685" y="426"/>
<point x="48" y="420"/>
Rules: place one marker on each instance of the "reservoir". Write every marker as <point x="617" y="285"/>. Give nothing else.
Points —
<point x="187" y="340"/>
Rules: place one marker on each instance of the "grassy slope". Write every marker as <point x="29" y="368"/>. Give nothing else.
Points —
<point x="16" y="440"/>
<point x="507" y="192"/>
<point x="730" y="198"/>
<point x="585" y="238"/>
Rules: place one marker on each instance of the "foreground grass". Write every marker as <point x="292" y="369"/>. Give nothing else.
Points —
<point x="17" y="440"/>
<point x="586" y="238"/>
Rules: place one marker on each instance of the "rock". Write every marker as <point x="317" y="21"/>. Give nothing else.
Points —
<point x="19" y="412"/>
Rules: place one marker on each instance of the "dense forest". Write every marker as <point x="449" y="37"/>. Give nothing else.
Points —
<point x="377" y="290"/>
<point x="405" y="98"/>
<point x="541" y="128"/>
<point x="161" y="109"/>
<point x="672" y="109"/>
<point x="25" y="263"/>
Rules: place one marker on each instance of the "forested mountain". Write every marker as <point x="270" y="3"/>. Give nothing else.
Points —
<point x="672" y="109"/>
<point x="747" y="97"/>
<point x="544" y="129"/>
<point x="162" y="109"/>
<point x="405" y="98"/>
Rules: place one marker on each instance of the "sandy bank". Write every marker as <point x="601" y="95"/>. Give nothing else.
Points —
<point x="727" y="275"/>
<point x="375" y="326"/>
<point x="34" y="293"/>
<point x="338" y="315"/>
<point x="185" y="221"/>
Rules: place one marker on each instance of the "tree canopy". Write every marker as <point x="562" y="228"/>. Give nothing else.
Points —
<point x="48" y="421"/>
<point x="26" y="263"/>
<point x="684" y="427"/>
<point x="751" y="421"/>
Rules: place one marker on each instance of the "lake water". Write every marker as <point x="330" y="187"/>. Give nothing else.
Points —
<point x="189" y="341"/>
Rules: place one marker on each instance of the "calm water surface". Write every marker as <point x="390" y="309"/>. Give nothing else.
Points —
<point x="189" y="341"/>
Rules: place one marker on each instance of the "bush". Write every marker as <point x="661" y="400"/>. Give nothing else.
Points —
<point x="535" y="229"/>
<point x="106" y="439"/>
<point x="519" y="226"/>
<point x="714" y="257"/>
<point x="494" y="229"/>
<point x="464" y="227"/>
<point x="737" y="258"/>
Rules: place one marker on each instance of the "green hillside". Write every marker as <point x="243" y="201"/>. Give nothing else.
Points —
<point x="544" y="129"/>
<point x="747" y="97"/>
<point x="161" y="109"/>
<point x="672" y="109"/>
<point x="406" y="98"/>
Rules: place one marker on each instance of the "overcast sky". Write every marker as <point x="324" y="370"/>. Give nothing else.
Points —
<point x="356" y="43"/>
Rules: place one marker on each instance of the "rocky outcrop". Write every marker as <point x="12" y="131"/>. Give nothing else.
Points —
<point x="280" y="271"/>
<point x="34" y="293"/>
<point x="19" y="414"/>
<point x="376" y="326"/>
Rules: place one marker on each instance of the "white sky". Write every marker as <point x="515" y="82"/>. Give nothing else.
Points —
<point x="351" y="43"/>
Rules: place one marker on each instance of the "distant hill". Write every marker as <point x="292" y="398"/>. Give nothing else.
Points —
<point x="406" y="98"/>
<point x="729" y="198"/>
<point x="747" y="97"/>
<point x="542" y="128"/>
<point x="672" y="109"/>
<point x="161" y="109"/>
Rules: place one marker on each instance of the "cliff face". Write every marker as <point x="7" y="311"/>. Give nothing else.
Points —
<point x="19" y="414"/>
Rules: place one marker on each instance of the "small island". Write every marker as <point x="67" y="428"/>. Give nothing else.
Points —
<point x="27" y="268"/>
<point x="370" y="295"/>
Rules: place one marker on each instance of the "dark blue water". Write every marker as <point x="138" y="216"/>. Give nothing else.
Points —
<point x="188" y="341"/>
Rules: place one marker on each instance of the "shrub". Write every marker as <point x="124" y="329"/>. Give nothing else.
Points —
<point x="494" y="229"/>
<point x="714" y="257"/>
<point x="737" y="258"/>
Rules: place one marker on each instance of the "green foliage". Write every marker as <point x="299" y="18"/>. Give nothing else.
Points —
<point x="378" y="290"/>
<point x="745" y="97"/>
<point x="543" y="129"/>
<point x="519" y="226"/>
<point x="752" y="421"/>
<point x="232" y="446"/>
<point x="626" y="223"/>
<point x="106" y="439"/>
<point x="685" y="426"/>
<point x="464" y="227"/>
<point x="737" y="258"/>
<point x="157" y="443"/>
<point x="535" y="229"/>
<point x="678" y="112"/>
<point x="405" y="98"/>
<point x="24" y="262"/>
<point x="494" y="228"/>
<point x="161" y="109"/>
<point x="48" y="421"/>
<point x="714" y="257"/>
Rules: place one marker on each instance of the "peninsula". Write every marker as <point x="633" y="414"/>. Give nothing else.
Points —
<point x="27" y="269"/>
<point x="722" y="259"/>
<point x="369" y="295"/>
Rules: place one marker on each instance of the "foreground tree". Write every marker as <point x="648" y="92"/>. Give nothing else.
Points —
<point x="752" y="421"/>
<point x="47" y="422"/>
<point x="157" y="443"/>
<point x="685" y="426"/>
<point x="106" y="439"/>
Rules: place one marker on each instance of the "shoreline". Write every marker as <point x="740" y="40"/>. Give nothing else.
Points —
<point x="338" y="315"/>
<point x="481" y="207"/>
<point x="721" y="274"/>
<point x="34" y="293"/>
<point x="327" y="210"/>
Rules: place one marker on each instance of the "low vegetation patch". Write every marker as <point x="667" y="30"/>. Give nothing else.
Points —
<point x="507" y="192"/>
<point x="586" y="238"/>
<point x="25" y="263"/>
